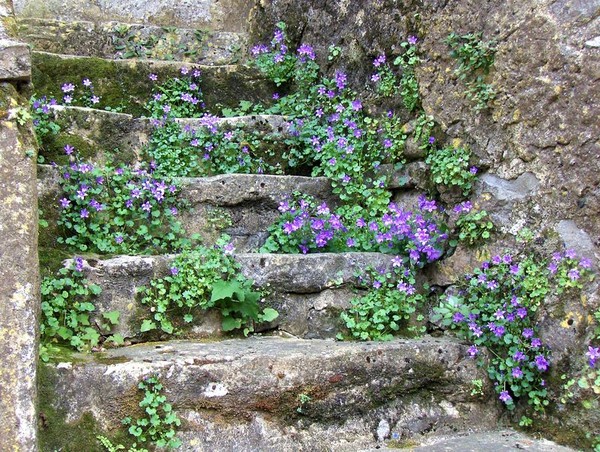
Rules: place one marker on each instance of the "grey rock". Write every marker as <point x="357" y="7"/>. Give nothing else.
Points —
<point x="593" y="43"/>
<point x="244" y="394"/>
<point x="19" y="277"/>
<point x="100" y="39"/>
<point x="308" y="291"/>
<point x="577" y="239"/>
<point x="15" y="61"/>
<point x="526" y="185"/>
<point x="226" y="15"/>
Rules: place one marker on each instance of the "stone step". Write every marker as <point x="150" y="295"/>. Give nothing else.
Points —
<point x="308" y="291"/>
<point x="126" y="84"/>
<point x="97" y="133"/>
<point x="240" y="205"/>
<point x="221" y="15"/>
<point x="274" y="394"/>
<point x="117" y="40"/>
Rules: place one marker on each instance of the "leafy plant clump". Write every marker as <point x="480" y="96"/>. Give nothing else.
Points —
<point x="475" y="57"/>
<point x="118" y="210"/>
<point x="450" y="166"/>
<point x="201" y="279"/>
<point x="67" y="307"/>
<point x="390" y="303"/>
<point x="495" y="308"/>
<point x="160" y="422"/>
<point x="177" y="97"/>
<point x="473" y="227"/>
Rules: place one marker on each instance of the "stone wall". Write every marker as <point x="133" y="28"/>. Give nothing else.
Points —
<point x="537" y="145"/>
<point x="19" y="272"/>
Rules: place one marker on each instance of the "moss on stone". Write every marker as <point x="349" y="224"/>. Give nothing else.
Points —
<point x="52" y="148"/>
<point x="51" y="260"/>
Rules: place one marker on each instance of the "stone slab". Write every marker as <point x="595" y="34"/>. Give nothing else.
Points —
<point x="19" y="279"/>
<point x="244" y="395"/>
<point x="15" y="61"/>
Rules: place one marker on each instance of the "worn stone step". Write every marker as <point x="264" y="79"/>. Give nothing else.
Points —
<point x="240" y="205"/>
<point x="126" y="84"/>
<point x="222" y="15"/>
<point x="117" y="40"/>
<point x="275" y="394"/>
<point x="308" y="291"/>
<point x="97" y="133"/>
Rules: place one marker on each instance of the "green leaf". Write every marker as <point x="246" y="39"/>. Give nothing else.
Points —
<point x="112" y="317"/>
<point x="269" y="314"/>
<point x="230" y="324"/>
<point x="147" y="325"/>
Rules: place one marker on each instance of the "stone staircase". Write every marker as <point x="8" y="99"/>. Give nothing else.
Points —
<point x="289" y="387"/>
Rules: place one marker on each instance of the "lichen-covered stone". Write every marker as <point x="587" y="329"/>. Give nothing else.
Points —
<point x="245" y="394"/>
<point x="19" y="277"/>
<point x="308" y="291"/>
<point x="115" y="40"/>
<point x="15" y="61"/>
<point x="225" y="15"/>
<point x="126" y="83"/>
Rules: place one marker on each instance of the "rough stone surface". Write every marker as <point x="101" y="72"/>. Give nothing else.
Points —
<point x="100" y="40"/>
<point x="499" y="440"/>
<point x="226" y="15"/>
<point x="247" y="203"/>
<point x="126" y="82"/>
<point x="97" y="133"/>
<point x="244" y="394"/>
<point x="308" y="291"/>
<point x="19" y="277"/>
<point x="15" y="61"/>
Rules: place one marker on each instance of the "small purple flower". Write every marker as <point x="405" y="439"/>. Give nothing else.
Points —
<point x="536" y="342"/>
<point x="431" y="140"/>
<point x="522" y="312"/>
<point x="361" y="223"/>
<point x="153" y="77"/>
<point x="69" y="149"/>
<point x="505" y="397"/>
<point x="340" y="80"/>
<point x="473" y="170"/>
<point x="585" y="263"/>
<point x="458" y="317"/>
<point x="147" y="206"/>
<point x="84" y="213"/>
<point x="357" y="105"/>
<point x="306" y="51"/>
<point x="375" y="77"/>
<point x="119" y="239"/>
<point x="379" y="60"/>
<point x="573" y="274"/>
<point x="64" y="203"/>
<point x="594" y="354"/>
<point x="473" y="351"/>
<point x="68" y="88"/>
<point x="228" y="248"/>
<point x="350" y="242"/>
<point x="87" y="82"/>
<point x="67" y="99"/>
<point x="174" y="270"/>
<point x="541" y="363"/>
<point x="527" y="333"/>
<point x="79" y="264"/>
<point x="517" y="372"/>
<point x="184" y="70"/>
<point x="412" y="40"/>
<point x="519" y="356"/>
<point x="275" y="96"/>
<point x="552" y="267"/>
<point x="571" y="254"/>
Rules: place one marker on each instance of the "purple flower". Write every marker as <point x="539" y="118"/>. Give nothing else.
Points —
<point x="64" y="203"/>
<point x="68" y="88"/>
<point x="594" y="354"/>
<point x="87" y="82"/>
<point x="514" y="269"/>
<point x="153" y="77"/>
<point x="541" y="363"/>
<point x="119" y="239"/>
<point x="357" y="105"/>
<point x="147" y="206"/>
<point x="519" y="356"/>
<point x="379" y="60"/>
<point x="517" y="372"/>
<point x="228" y="248"/>
<point x="412" y="40"/>
<point x="184" y="70"/>
<point x="522" y="312"/>
<point x="505" y="397"/>
<point x="536" y="342"/>
<point x="473" y="351"/>
<point x="84" y="213"/>
<point x="527" y="333"/>
<point x="69" y="149"/>
<point x="552" y="267"/>
<point x="361" y="223"/>
<point x="340" y="80"/>
<point x="573" y="274"/>
<point x="458" y="317"/>
<point x="375" y="77"/>
<point x="585" y="262"/>
<point x="350" y="242"/>
<point x="174" y="270"/>
<point x="67" y="99"/>
<point x="78" y="264"/>
<point x="571" y="254"/>
<point x="473" y="170"/>
<point x="275" y="96"/>
<point x="306" y="51"/>
<point x="431" y="140"/>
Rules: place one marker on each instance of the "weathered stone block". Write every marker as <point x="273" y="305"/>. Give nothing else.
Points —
<point x="15" y="60"/>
